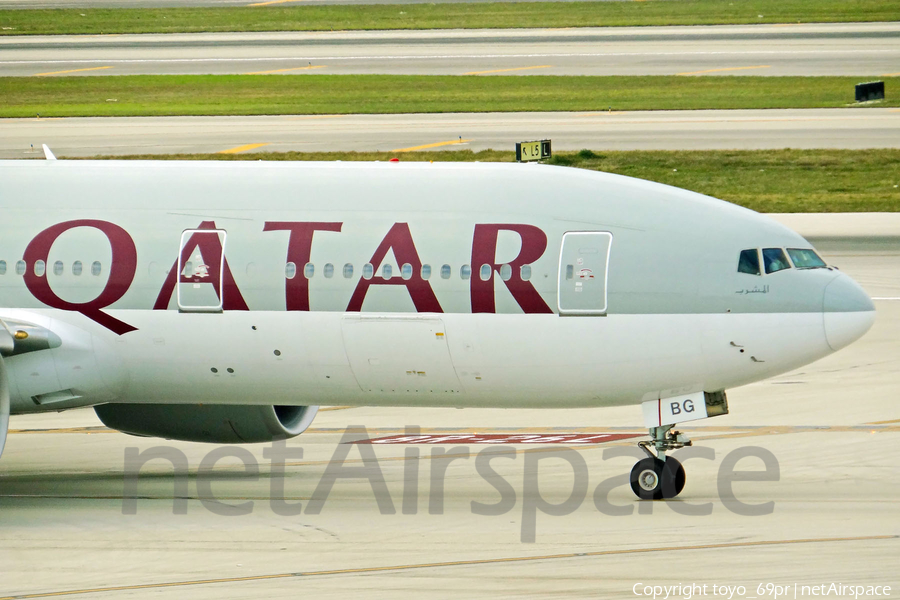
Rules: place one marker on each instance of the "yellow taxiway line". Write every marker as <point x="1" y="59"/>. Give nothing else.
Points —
<point x="272" y="2"/>
<point x="434" y="145"/>
<point x="71" y="71"/>
<point x="507" y="70"/>
<point x="307" y="68"/>
<point x="725" y="69"/>
<point x="243" y="148"/>
<point x="451" y="563"/>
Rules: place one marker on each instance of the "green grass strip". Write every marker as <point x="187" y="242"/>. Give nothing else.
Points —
<point x="148" y="95"/>
<point x="286" y="17"/>
<point x="763" y="180"/>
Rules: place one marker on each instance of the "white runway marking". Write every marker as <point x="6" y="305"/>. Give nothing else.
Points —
<point x="439" y="56"/>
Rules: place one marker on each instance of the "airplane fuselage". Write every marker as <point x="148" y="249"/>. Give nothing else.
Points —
<point x="397" y="284"/>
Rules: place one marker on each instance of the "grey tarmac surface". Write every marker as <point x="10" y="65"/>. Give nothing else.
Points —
<point x="833" y="427"/>
<point x="664" y="130"/>
<point x="859" y="49"/>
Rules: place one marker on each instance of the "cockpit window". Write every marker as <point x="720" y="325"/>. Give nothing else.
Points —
<point x="805" y="258"/>
<point x="775" y="260"/>
<point x="749" y="262"/>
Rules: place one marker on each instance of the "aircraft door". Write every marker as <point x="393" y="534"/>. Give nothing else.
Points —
<point x="399" y="355"/>
<point x="201" y="265"/>
<point x="583" y="269"/>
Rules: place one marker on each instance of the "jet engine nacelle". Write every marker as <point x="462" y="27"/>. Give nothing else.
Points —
<point x="214" y="423"/>
<point x="4" y="405"/>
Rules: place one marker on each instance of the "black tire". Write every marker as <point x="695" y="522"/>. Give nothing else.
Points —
<point x="653" y="479"/>
<point x="674" y="478"/>
<point x="646" y="479"/>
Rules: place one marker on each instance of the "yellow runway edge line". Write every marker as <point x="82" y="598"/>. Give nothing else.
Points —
<point x="272" y="2"/>
<point x="455" y="563"/>
<point x="307" y="68"/>
<point x="70" y="71"/>
<point x="507" y="70"/>
<point x="434" y="145"/>
<point x="725" y="69"/>
<point x="242" y="148"/>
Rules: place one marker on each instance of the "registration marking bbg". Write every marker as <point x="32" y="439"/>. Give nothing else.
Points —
<point x="502" y="438"/>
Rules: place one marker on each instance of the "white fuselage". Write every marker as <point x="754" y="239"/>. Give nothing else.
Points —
<point x="267" y="284"/>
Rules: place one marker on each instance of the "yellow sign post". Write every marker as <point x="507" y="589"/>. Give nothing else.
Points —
<point x="529" y="151"/>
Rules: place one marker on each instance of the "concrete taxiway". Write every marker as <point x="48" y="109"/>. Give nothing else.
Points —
<point x="833" y="428"/>
<point x="857" y="49"/>
<point x="663" y="130"/>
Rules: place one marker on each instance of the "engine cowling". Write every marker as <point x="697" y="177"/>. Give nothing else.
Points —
<point x="213" y="423"/>
<point x="4" y="405"/>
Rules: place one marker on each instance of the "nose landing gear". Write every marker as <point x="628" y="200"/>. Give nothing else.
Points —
<point x="659" y="477"/>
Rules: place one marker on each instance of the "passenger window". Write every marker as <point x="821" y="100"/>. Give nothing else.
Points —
<point x="348" y="271"/>
<point x="368" y="271"/>
<point x="426" y="272"/>
<point x="58" y="268"/>
<point x="485" y="272"/>
<point x="775" y="260"/>
<point x="77" y="268"/>
<point x="20" y="267"/>
<point x="2" y="267"/>
<point x="95" y="268"/>
<point x="290" y="270"/>
<point x="39" y="268"/>
<point x="328" y="270"/>
<point x="805" y="258"/>
<point x="525" y="272"/>
<point x="309" y="270"/>
<point x="505" y="272"/>
<point x="749" y="262"/>
<point x="445" y="272"/>
<point x="387" y="271"/>
<point x="465" y="272"/>
<point x="406" y="271"/>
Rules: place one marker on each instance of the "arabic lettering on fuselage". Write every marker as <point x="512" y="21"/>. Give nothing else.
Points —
<point x="756" y="290"/>
<point x="299" y="246"/>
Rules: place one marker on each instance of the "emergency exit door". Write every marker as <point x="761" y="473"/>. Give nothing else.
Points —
<point x="201" y="265"/>
<point x="583" y="268"/>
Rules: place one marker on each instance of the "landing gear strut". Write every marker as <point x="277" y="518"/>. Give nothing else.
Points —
<point x="658" y="477"/>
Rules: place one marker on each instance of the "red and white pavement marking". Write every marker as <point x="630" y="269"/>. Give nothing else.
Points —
<point x="502" y="438"/>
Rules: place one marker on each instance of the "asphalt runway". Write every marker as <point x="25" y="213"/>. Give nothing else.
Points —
<point x="867" y="50"/>
<point x="833" y="428"/>
<point x="662" y="130"/>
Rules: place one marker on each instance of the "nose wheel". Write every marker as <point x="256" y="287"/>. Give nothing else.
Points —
<point x="654" y="479"/>
<point x="659" y="477"/>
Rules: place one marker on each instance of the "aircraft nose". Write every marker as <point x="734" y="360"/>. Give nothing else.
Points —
<point x="848" y="311"/>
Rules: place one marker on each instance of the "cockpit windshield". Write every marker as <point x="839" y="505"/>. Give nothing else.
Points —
<point x="749" y="262"/>
<point x="775" y="260"/>
<point x="805" y="258"/>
